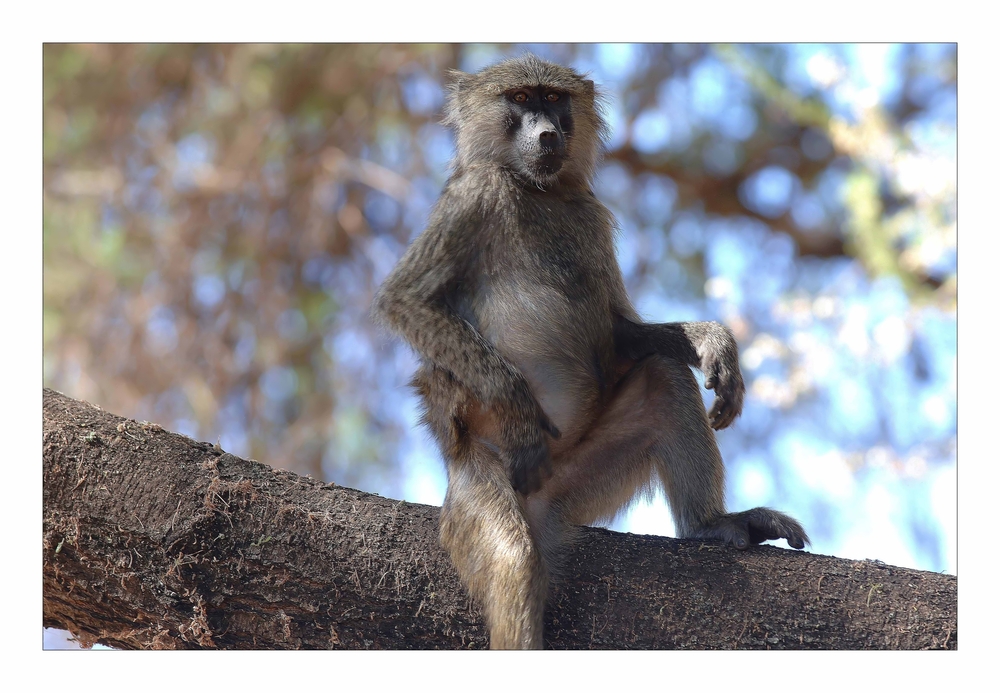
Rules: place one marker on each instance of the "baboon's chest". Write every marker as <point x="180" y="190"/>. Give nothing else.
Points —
<point x="538" y="287"/>
<point x="550" y="318"/>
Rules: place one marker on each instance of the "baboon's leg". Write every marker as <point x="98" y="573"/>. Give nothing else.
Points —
<point x="657" y="421"/>
<point x="483" y="527"/>
<point x="641" y="426"/>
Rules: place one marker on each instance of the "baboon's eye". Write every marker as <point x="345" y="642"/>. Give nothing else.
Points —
<point x="520" y="97"/>
<point x="552" y="96"/>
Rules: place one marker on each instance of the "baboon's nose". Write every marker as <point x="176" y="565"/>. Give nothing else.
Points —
<point x="549" y="139"/>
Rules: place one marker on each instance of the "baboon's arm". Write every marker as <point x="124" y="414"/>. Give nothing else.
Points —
<point x="413" y="302"/>
<point x="708" y="346"/>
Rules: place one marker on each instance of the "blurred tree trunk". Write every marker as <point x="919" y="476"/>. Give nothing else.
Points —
<point x="153" y="540"/>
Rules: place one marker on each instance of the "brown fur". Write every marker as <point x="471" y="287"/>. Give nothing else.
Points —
<point x="553" y="404"/>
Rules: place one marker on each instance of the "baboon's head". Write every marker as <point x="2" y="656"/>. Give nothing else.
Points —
<point x="538" y="119"/>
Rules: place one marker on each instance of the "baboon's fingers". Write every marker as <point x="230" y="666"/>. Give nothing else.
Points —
<point x="722" y="414"/>
<point x="728" y="398"/>
<point x="528" y="466"/>
<point x="755" y="526"/>
<point x="764" y="524"/>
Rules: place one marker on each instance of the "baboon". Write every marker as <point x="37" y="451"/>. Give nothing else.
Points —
<point x="553" y="403"/>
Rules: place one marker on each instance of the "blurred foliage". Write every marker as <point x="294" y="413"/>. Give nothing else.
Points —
<point x="208" y="230"/>
<point x="217" y="219"/>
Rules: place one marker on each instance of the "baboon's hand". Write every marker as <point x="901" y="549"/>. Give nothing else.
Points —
<point x="721" y="366"/>
<point x="528" y="465"/>
<point x="756" y="526"/>
<point x="525" y="448"/>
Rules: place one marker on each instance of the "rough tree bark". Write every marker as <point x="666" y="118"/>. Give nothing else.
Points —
<point x="153" y="540"/>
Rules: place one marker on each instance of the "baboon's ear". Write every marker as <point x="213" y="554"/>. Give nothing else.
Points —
<point x="457" y="82"/>
<point x="588" y="87"/>
<point x="457" y="78"/>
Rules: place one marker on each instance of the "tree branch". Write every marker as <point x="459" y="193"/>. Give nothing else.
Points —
<point x="153" y="540"/>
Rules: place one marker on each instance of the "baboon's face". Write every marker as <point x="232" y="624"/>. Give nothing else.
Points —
<point x="538" y="126"/>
